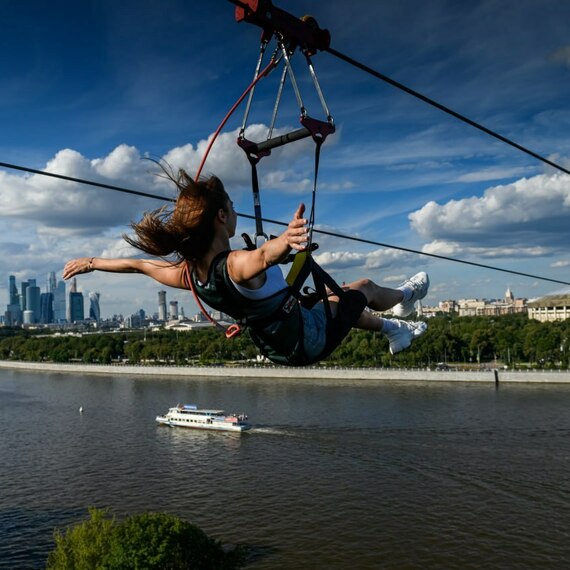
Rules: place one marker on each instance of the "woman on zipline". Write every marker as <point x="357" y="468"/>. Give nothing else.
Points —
<point x="249" y="285"/>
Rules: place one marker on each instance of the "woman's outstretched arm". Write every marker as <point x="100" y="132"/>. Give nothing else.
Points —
<point x="160" y="270"/>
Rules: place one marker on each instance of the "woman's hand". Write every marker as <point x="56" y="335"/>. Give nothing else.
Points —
<point x="244" y="266"/>
<point x="77" y="266"/>
<point x="296" y="234"/>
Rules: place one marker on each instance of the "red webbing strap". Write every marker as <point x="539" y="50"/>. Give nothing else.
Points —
<point x="272" y="63"/>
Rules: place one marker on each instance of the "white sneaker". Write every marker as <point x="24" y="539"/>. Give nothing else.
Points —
<point x="402" y="336"/>
<point x="419" y="283"/>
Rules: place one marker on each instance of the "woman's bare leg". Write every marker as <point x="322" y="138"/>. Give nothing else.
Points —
<point x="399" y="333"/>
<point x="369" y="322"/>
<point x="378" y="298"/>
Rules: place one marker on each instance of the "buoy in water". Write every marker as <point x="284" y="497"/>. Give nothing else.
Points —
<point x="80" y="409"/>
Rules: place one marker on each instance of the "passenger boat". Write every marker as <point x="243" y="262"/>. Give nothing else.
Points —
<point x="191" y="417"/>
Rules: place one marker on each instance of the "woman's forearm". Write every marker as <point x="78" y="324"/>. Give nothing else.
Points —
<point x="274" y="251"/>
<point x="119" y="265"/>
<point x="165" y="272"/>
<point x="88" y="264"/>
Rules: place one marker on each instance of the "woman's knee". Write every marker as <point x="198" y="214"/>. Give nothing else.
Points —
<point x="366" y="286"/>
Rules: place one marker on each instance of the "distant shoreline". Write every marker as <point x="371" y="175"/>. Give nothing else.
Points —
<point x="317" y="373"/>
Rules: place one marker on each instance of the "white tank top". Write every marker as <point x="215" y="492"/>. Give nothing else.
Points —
<point x="274" y="282"/>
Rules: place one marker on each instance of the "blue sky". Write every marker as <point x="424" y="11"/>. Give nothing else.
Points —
<point x="88" y="89"/>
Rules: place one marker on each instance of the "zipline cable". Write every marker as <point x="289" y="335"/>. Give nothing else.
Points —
<point x="409" y="250"/>
<point x="278" y="223"/>
<point x="272" y="19"/>
<point x="83" y="181"/>
<point x="443" y="108"/>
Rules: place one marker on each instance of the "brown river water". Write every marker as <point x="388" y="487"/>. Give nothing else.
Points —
<point x="334" y="475"/>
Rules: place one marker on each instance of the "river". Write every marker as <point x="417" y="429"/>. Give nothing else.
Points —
<point x="350" y="474"/>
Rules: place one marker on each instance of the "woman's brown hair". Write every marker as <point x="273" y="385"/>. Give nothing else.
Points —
<point x="187" y="229"/>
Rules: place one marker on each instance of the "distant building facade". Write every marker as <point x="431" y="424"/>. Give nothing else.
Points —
<point x="59" y="303"/>
<point x="76" y="307"/>
<point x="14" y="314"/>
<point x="94" y="307"/>
<point x="485" y="307"/>
<point x="162" y="305"/>
<point x="33" y="301"/>
<point x="550" y="308"/>
<point x="46" y="308"/>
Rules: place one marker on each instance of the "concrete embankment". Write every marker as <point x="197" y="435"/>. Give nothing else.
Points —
<point x="320" y="373"/>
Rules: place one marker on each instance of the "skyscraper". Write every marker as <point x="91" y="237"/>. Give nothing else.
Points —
<point x="52" y="282"/>
<point x="13" y="314"/>
<point x="33" y="301"/>
<point x="23" y="287"/>
<point x="94" y="309"/>
<point x="46" y="308"/>
<point x="14" y="297"/>
<point x="173" y="310"/>
<point x="76" y="307"/>
<point x="59" y="304"/>
<point x="162" y="305"/>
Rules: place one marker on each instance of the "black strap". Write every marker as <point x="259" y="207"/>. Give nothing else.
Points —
<point x="256" y="199"/>
<point x="318" y="144"/>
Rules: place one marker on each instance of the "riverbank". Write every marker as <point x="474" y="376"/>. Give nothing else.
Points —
<point x="321" y="373"/>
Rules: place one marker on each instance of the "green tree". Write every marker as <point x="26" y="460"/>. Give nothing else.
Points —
<point x="84" y="545"/>
<point x="145" y="541"/>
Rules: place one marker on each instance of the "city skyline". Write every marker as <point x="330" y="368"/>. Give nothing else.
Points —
<point x="164" y="308"/>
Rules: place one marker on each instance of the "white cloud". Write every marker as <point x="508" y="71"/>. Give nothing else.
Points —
<point x="71" y="207"/>
<point x="561" y="263"/>
<point x="530" y="213"/>
<point x="379" y="258"/>
<point x="228" y="161"/>
<point x="395" y="278"/>
<point x="81" y="209"/>
<point x="454" y="249"/>
<point x="497" y="173"/>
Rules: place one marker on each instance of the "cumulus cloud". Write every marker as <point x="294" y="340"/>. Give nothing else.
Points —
<point x="52" y="202"/>
<point x="454" y="249"/>
<point x="496" y="173"/>
<point x="377" y="259"/>
<point x="530" y="216"/>
<point x="81" y="209"/>
<point x="228" y="161"/>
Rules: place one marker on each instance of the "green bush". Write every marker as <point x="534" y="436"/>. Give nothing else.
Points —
<point x="140" y="542"/>
<point x="84" y="545"/>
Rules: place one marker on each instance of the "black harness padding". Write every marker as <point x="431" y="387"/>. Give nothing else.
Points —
<point x="274" y="323"/>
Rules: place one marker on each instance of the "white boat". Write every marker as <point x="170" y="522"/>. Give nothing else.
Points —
<point x="191" y="417"/>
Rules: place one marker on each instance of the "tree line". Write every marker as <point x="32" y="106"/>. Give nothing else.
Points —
<point x="509" y="340"/>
